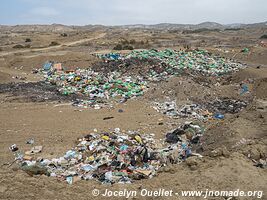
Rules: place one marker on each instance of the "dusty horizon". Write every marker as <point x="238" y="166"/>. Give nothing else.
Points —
<point x="119" y="12"/>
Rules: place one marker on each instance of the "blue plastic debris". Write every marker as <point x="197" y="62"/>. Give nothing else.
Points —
<point x="47" y="66"/>
<point x="244" y="89"/>
<point x="69" y="179"/>
<point x="219" y="116"/>
<point x="123" y="147"/>
<point x="70" y="154"/>
<point x="88" y="168"/>
<point x="110" y="56"/>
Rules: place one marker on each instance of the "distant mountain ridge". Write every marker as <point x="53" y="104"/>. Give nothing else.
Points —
<point x="161" y="26"/>
<point x="206" y="25"/>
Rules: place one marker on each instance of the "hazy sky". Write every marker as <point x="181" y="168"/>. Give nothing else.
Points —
<point x="117" y="12"/>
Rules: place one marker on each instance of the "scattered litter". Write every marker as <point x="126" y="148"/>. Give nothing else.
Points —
<point x="13" y="147"/>
<point x="19" y="78"/>
<point x="57" y="66"/>
<point x="168" y="108"/>
<point x="202" y="111"/>
<point x="27" y="157"/>
<point x="196" y="154"/>
<point x="106" y="118"/>
<point x="30" y="141"/>
<point x="245" y="50"/>
<point x="34" y="150"/>
<point x="195" y="111"/>
<point x="192" y="131"/>
<point x="261" y="163"/>
<point x="241" y="142"/>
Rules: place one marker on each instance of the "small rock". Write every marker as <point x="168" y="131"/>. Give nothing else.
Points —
<point x="254" y="154"/>
<point x="192" y="162"/>
<point x="168" y="169"/>
<point x="260" y="116"/>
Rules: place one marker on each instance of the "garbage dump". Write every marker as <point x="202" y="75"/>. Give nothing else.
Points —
<point x="116" y="157"/>
<point x="128" y="76"/>
<point x="171" y="62"/>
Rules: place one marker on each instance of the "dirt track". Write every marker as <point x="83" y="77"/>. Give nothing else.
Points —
<point x="66" y="44"/>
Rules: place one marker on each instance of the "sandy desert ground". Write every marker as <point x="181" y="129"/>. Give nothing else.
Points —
<point x="231" y="147"/>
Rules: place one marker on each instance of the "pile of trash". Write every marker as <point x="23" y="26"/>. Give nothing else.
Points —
<point x="200" y="61"/>
<point x="226" y="105"/>
<point x="168" y="108"/>
<point x="204" y="111"/>
<point x="193" y="111"/>
<point x="170" y="62"/>
<point x="93" y="86"/>
<point x="116" y="157"/>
